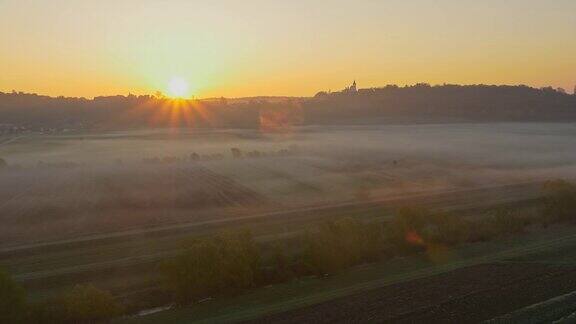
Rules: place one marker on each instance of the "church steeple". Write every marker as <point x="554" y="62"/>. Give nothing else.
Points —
<point x="351" y="89"/>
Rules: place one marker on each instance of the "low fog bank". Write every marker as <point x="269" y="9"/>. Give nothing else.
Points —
<point x="73" y="184"/>
<point x="516" y="145"/>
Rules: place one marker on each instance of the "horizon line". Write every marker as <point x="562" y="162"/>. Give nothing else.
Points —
<point x="19" y="92"/>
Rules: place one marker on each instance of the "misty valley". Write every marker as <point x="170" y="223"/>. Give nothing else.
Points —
<point x="61" y="186"/>
<point x="287" y="162"/>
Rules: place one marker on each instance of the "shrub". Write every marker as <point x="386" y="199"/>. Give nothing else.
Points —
<point x="341" y="243"/>
<point x="281" y="265"/>
<point x="507" y="222"/>
<point x="559" y="201"/>
<point x="278" y="266"/>
<point x="81" y="304"/>
<point x="449" y="229"/>
<point x="12" y="300"/>
<point x="225" y="263"/>
<point x="87" y="303"/>
<point x="413" y="228"/>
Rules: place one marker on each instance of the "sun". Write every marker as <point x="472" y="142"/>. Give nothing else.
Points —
<point x="178" y="88"/>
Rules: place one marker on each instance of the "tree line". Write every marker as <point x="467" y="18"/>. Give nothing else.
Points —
<point x="442" y="103"/>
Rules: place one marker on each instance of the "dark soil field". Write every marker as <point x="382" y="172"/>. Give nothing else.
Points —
<point x="467" y="295"/>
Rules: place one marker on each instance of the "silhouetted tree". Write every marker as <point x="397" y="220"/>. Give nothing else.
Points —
<point x="475" y="102"/>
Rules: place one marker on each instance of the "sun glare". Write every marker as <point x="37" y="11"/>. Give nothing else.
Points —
<point x="178" y="88"/>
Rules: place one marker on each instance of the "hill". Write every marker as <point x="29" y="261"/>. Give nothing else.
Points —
<point x="390" y="104"/>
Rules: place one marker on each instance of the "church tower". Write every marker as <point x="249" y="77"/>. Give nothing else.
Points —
<point x="351" y="89"/>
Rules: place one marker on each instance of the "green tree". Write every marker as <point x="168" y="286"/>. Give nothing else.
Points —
<point x="406" y="230"/>
<point x="414" y="228"/>
<point x="12" y="300"/>
<point x="88" y="303"/>
<point x="447" y="228"/>
<point x="559" y="201"/>
<point x="341" y="243"/>
<point x="281" y="264"/>
<point x="506" y="221"/>
<point x="225" y="263"/>
<point x="81" y="304"/>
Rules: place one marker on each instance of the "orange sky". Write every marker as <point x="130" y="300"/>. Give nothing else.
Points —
<point x="243" y="48"/>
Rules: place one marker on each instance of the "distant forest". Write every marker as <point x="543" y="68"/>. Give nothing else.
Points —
<point x="417" y="103"/>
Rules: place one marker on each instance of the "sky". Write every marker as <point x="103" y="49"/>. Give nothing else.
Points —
<point x="238" y="48"/>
